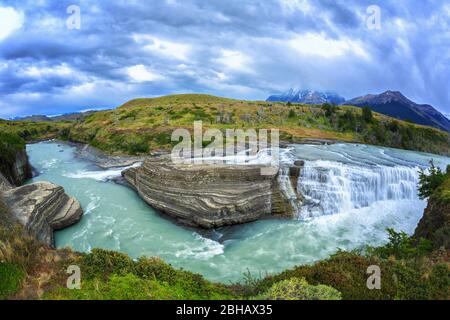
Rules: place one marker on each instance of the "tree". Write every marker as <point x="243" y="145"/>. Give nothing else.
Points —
<point x="367" y="114"/>
<point x="292" y="114"/>
<point x="428" y="183"/>
<point x="329" y="109"/>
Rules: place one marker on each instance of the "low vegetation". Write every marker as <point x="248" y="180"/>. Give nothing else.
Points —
<point x="144" y="125"/>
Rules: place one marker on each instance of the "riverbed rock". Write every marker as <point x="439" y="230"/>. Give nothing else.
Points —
<point x="41" y="208"/>
<point x="104" y="160"/>
<point x="209" y="196"/>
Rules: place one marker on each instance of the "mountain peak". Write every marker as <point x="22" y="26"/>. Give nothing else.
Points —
<point x="307" y="97"/>
<point x="395" y="104"/>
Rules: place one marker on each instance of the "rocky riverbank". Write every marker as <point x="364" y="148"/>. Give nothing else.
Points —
<point x="42" y="208"/>
<point x="209" y="196"/>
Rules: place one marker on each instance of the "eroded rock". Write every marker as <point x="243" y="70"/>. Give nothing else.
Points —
<point x="41" y="208"/>
<point x="208" y="196"/>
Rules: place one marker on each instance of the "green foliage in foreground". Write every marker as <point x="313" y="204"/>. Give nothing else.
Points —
<point x="416" y="279"/>
<point x="407" y="273"/>
<point x="113" y="275"/>
<point x="300" y="289"/>
<point x="401" y="246"/>
<point x="11" y="276"/>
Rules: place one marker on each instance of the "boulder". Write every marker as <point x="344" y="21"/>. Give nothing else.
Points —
<point x="208" y="196"/>
<point x="41" y="208"/>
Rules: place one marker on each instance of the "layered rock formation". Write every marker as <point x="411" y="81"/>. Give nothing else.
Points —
<point x="208" y="196"/>
<point x="41" y="208"/>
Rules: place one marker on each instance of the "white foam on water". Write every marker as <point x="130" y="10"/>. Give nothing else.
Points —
<point x="206" y="249"/>
<point x="103" y="175"/>
<point x="49" y="164"/>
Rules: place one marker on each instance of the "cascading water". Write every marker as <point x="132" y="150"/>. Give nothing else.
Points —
<point x="336" y="179"/>
<point x="331" y="187"/>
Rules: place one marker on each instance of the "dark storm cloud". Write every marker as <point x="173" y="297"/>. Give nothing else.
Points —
<point x="243" y="49"/>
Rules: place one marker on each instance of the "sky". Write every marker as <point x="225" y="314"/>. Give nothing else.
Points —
<point x="64" y="56"/>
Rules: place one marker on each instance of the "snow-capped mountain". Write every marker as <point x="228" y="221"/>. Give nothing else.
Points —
<point x="307" y="97"/>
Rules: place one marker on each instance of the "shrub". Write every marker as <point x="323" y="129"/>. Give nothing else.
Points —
<point x="401" y="246"/>
<point x="11" y="276"/>
<point x="103" y="262"/>
<point x="439" y="282"/>
<point x="292" y="114"/>
<point x="300" y="289"/>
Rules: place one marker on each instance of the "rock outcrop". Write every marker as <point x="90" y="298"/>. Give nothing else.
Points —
<point x="435" y="223"/>
<point x="5" y="185"/>
<point x="208" y="196"/>
<point x="41" y="208"/>
<point x="18" y="169"/>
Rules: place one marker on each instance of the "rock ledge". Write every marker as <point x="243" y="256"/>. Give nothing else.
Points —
<point x="43" y="207"/>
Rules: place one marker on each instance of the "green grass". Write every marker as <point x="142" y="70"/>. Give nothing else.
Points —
<point x="113" y="275"/>
<point x="11" y="277"/>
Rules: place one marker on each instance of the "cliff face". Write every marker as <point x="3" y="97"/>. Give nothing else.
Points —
<point x="435" y="223"/>
<point x="4" y="183"/>
<point x="16" y="169"/>
<point x="208" y="196"/>
<point x="42" y="208"/>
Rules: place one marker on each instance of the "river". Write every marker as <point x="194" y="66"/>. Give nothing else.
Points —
<point x="353" y="193"/>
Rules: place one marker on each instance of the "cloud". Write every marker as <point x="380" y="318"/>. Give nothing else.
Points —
<point x="317" y="45"/>
<point x="162" y="47"/>
<point x="140" y="73"/>
<point x="10" y="21"/>
<point x="243" y="49"/>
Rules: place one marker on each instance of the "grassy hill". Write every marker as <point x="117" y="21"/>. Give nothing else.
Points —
<point x="143" y="125"/>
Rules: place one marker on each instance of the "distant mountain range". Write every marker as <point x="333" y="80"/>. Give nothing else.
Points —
<point x="390" y="103"/>
<point x="74" y="116"/>
<point x="395" y="104"/>
<point x="307" y="97"/>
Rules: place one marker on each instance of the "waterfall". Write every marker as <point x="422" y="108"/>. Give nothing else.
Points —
<point x="288" y="189"/>
<point x="328" y="187"/>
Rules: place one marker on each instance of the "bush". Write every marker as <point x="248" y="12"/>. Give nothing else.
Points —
<point x="401" y="246"/>
<point x="300" y="289"/>
<point x="439" y="282"/>
<point x="11" y="276"/>
<point x="103" y="262"/>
